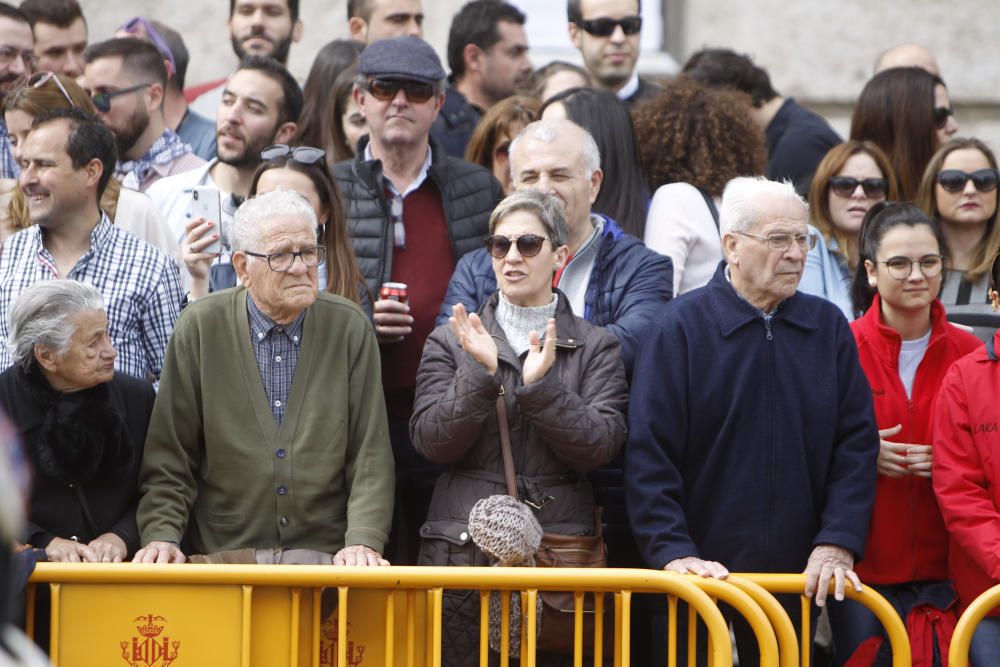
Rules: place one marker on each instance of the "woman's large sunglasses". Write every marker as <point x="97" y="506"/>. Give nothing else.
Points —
<point x="941" y="116"/>
<point x="954" y="180"/>
<point x="301" y="154"/>
<point x="845" y="186"/>
<point x="528" y="245"/>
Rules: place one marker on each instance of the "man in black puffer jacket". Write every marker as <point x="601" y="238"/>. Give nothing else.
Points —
<point x="412" y="211"/>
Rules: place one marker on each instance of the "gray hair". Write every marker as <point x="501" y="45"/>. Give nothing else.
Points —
<point x="245" y="230"/>
<point x="742" y="208"/>
<point x="546" y="208"/>
<point x="546" y="131"/>
<point x="41" y="314"/>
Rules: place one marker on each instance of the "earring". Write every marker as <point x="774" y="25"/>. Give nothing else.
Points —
<point x="871" y="281"/>
<point x="994" y="300"/>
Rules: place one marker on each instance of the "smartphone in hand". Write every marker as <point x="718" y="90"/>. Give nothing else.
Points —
<point x="206" y="203"/>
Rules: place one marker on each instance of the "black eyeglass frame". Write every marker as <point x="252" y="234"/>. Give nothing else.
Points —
<point x="498" y="241"/>
<point x="872" y="187"/>
<point x="980" y="179"/>
<point x="605" y="27"/>
<point x="102" y="99"/>
<point x="318" y="249"/>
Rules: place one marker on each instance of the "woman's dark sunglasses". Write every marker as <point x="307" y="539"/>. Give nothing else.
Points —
<point x="845" y="186"/>
<point x="387" y="89"/>
<point x="301" y="154"/>
<point x="954" y="180"/>
<point x="941" y="116"/>
<point x="605" y="27"/>
<point x="528" y="245"/>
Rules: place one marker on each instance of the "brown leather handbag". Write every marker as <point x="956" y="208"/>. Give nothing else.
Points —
<point x="556" y="634"/>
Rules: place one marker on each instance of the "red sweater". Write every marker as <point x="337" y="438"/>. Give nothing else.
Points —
<point x="967" y="471"/>
<point x="907" y="539"/>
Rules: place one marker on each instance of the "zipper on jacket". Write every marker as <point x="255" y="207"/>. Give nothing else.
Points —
<point x="767" y="325"/>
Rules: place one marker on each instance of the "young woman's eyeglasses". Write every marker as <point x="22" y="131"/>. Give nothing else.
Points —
<point x="954" y="180"/>
<point x="282" y="261"/>
<point x="900" y="268"/>
<point x="528" y="245"/>
<point x="845" y="186"/>
<point x="39" y="79"/>
<point x="301" y="154"/>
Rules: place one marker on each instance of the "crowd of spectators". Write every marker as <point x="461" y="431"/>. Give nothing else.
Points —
<point x="259" y="321"/>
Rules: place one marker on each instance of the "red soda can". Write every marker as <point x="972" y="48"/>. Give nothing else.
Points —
<point x="394" y="292"/>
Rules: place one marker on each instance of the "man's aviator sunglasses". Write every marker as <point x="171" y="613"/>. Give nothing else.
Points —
<point x="387" y="89"/>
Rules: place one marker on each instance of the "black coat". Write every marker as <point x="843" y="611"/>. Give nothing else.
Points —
<point x="110" y="488"/>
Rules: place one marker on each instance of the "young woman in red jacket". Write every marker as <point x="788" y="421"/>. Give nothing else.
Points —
<point x="905" y="346"/>
<point x="967" y="478"/>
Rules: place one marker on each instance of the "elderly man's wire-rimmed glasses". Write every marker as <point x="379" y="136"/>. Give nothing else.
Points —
<point x="782" y="242"/>
<point x="282" y="262"/>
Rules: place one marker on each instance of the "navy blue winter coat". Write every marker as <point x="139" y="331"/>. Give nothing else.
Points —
<point x="749" y="443"/>
<point x="628" y="285"/>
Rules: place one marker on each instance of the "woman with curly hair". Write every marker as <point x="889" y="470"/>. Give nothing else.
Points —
<point x="692" y="141"/>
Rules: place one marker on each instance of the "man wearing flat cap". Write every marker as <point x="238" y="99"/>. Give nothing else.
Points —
<point x="412" y="212"/>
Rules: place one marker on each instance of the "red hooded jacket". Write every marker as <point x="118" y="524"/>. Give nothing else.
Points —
<point x="967" y="469"/>
<point x="907" y="539"/>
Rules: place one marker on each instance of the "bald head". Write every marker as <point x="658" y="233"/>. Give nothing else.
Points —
<point x="560" y="158"/>
<point x="908" y="55"/>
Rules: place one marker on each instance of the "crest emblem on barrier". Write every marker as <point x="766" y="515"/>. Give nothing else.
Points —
<point x="328" y="645"/>
<point x="148" y="648"/>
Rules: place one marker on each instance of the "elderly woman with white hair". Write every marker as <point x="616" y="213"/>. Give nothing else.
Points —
<point x="82" y="425"/>
<point x="564" y="396"/>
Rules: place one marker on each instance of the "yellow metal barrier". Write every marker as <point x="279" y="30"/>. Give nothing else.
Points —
<point x="221" y="615"/>
<point x="883" y="611"/>
<point x="958" y="653"/>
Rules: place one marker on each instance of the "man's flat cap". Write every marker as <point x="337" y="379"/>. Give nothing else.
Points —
<point x="401" y="58"/>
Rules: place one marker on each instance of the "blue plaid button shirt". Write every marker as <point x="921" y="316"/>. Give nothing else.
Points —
<point x="8" y="167"/>
<point x="140" y="285"/>
<point x="276" y="347"/>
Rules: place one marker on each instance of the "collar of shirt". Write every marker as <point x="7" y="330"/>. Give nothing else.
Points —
<point x="766" y="316"/>
<point x="167" y="148"/>
<point x="98" y="239"/>
<point x="417" y="182"/>
<point x="630" y="88"/>
<point x="261" y="325"/>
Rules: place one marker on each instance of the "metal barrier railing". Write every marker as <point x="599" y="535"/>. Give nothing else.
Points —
<point x="961" y="640"/>
<point x="271" y="615"/>
<point x="883" y="611"/>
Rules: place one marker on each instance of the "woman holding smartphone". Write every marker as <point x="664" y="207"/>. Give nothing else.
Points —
<point x="905" y="346"/>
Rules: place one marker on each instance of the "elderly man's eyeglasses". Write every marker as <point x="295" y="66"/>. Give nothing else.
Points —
<point x="282" y="261"/>
<point x="901" y="267"/>
<point x="605" y="27"/>
<point x="528" y="245"/>
<point x="387" y="89"/>
<point x="39" y="79"/>
<point x="301" y="154"/>
<point x="102" y="99"/>
<point x="9" y="53"/>
<point x="782" y="242"/>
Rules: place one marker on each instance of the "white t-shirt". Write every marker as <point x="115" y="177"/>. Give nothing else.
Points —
<point x="910" y="355"/>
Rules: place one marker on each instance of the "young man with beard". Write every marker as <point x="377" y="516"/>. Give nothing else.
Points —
<point x="372" y="20"/>
<point x="17" y="56"/>
<point x="255" y="28"/>
<point x="126" y="78"/>
<point x="60" y="35"/>
<point x="260" y="104"/>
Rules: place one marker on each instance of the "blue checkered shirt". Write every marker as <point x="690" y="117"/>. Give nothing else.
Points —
<point x="276" y="347"/>
<point x="8" y="167"/>
<point x="140" y="285"/>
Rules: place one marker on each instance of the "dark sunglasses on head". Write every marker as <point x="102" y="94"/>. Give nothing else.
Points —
<point x="605" y="27"/>
<point x="386" y="89"/>
<point x="39" y="79"/>
<point x="302" y="154"/>
<point x="845" y="186"/>
<point x="954" y="180"/>
<point x="941" y="116"/>
<point x="528" y="245"/>
<point x="102" y="99"/>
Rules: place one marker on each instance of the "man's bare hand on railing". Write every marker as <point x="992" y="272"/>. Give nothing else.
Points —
<point x="827" y="561"/>
<point x="694" y="565"/>
<point x="159" y="552"/>
<point x="360" y="555"/>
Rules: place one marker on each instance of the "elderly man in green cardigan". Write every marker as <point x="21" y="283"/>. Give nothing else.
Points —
<point x="269" y="431"/>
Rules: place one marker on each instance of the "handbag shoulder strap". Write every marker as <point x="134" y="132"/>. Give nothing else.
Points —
<point x="712" y="208"/>
<point x="508" y="456"/>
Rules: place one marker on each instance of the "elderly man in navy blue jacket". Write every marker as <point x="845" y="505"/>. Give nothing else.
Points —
<point x="752" y="438"/>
